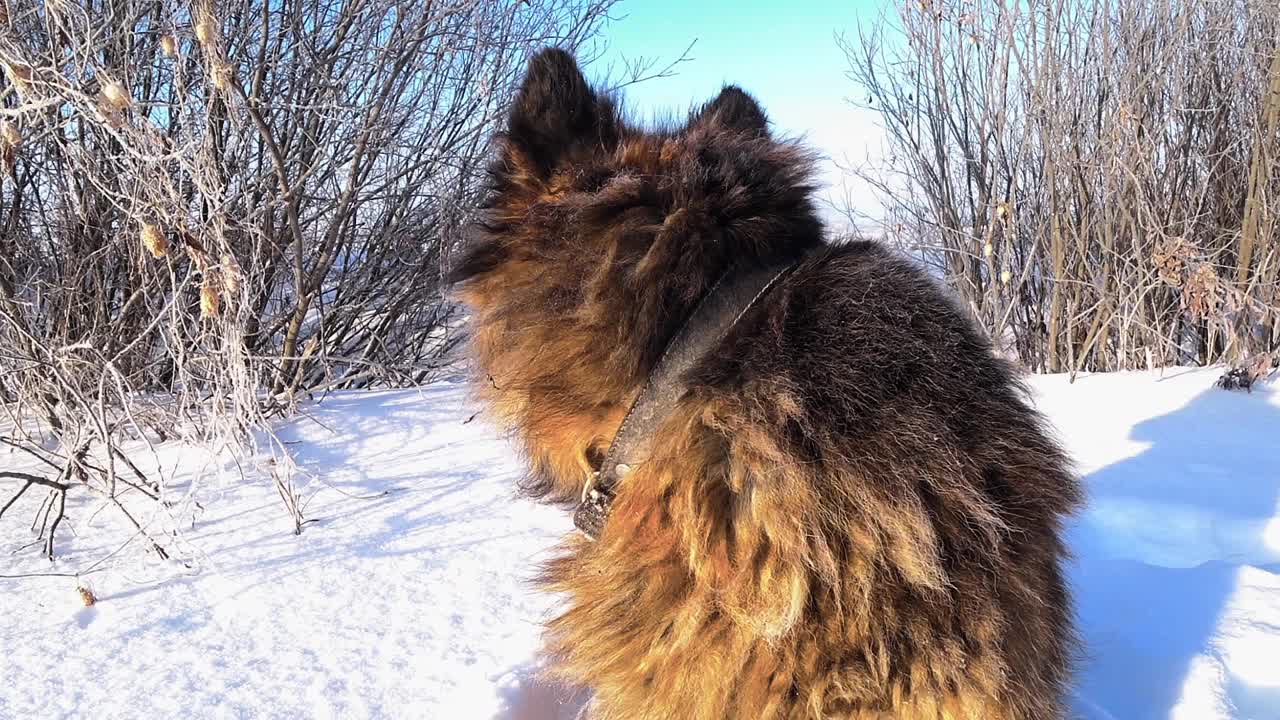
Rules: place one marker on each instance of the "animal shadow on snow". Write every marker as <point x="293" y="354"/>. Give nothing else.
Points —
<point x="1159" y="546"/>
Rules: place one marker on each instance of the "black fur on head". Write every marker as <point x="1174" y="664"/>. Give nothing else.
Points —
<point x="734" y="109"/>
<point x="555" y="111"/>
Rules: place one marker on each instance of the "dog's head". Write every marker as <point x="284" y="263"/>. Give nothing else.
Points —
<point x="597" y="236"/>
<point x="598" y="217"/>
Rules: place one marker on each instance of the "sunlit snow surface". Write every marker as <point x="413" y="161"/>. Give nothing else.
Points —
<point x="410" y="595"/>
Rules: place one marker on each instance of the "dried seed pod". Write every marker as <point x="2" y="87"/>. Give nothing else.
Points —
<point x="169" y="45"/>
<point x="206" y="29"/>
<point x="210" y="301"/>
<point x="222" y="76"/>
<point x="10" y="133"/>
<point x="154" y="241"/>
<point x="20" y="75"/>
<point x="114" y="94"/>
<point x="231" y="276"/>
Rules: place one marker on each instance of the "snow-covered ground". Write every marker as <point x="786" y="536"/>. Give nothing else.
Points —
<point x="410" y="595"/>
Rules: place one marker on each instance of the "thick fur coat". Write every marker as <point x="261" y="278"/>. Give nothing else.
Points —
<point x="852" y="513"/>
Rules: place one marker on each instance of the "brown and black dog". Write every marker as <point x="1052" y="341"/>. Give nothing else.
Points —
<point x="852" y="511"/>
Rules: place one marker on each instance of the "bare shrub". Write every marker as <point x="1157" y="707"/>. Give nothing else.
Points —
<point x="211" y="208"/>
<point x="1244" y="375"/>
<point x="1098" y="180"/>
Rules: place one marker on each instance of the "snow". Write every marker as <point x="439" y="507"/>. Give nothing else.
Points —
<point x="1178" y="552"/>
<point x="410" y="595"/>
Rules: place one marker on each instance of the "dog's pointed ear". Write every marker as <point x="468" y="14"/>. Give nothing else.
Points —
<point x="554" y="110"/>
<point x="733" y="109"/>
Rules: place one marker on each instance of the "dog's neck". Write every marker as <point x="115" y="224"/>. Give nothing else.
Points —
<point x="737" y="290"/>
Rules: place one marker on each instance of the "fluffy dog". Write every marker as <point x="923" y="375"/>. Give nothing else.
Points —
<point x="851" y="511"/>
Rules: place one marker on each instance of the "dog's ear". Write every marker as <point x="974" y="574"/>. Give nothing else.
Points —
<point x="554" y="111"/>
<point x="733" y="109"/>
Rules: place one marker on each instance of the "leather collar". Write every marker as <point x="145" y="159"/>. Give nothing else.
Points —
<point x="735" y="292"/>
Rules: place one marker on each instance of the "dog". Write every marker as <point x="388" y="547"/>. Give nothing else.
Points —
<point x="846" y="508"/>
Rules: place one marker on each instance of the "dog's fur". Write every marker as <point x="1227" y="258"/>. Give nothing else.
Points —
<point x="853" y="512"/>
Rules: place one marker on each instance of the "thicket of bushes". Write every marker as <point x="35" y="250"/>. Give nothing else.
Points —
<point x="211" y="208"/>
<point x="1100" y="181"/>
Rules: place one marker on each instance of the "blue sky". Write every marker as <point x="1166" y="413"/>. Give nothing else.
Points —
<point x="782" y="52"/>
